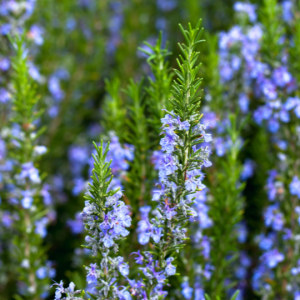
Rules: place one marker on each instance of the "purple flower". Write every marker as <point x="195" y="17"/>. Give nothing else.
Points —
<point x="92" y="274"/>
<point x="249" y="9"/>
<point x="41" y="273"/>
<point x="284" y="115"/>
<point x="268" y="89"/>
<point x="7" y="220"/>
<point x="248" y="169"/>
<point x="123" y="267"/>
<point x="244" y="102"/>
<point x="220" y="146"/>
<point x="79" y="186"/>
<point x="182" y="125"/>
<point x="281" y="77"/>
<point x="120" y="156"/>
<point x="34" y="72"/>
<point x="170" y="213"/>
<point x="29" y="171"/>
<point x="293" y="103"/>
<point x="297" y="295"/>
<point x="145" y="210"/>
<point x="166" y="5"/>
<point x="40" y="227"/>
<point x="205" y="245"/>
<point x="241" y="232"/>
<point x="287" y="12"/>
<point x="210" y="118"/>
<point x="274" y="218"/>
<point x="40" y="150"/>
<point x="5" y="29"/>
<point x="27" y="199"/>
<point x="254" y="35"/>
<point x="226" y="71"/>
<point x="169" y="141"/>
<point x="4" y="64"/>
<point x="167" y="120"/>
<point x="36" y="34"/>
<point x="170" y="269"/>
<point x="295" y="187"/>
<point x="156" y="195"/>
<point x="193" y="181"/>
<point x="59" y="290"/>
<point x="296" y="270"/>
<point x="55" y="89"/>
<point x="273" y="125"/>
<point x="123" y="294"/>
<point x="76" y="225"/>
<point x="46" y="195"/>
<point x="156" y="234"/>
<point x="272" y="258"/>
<point x="186" y="291"/>
<point x="206" y="136"/>
<point x="4" y="95"/>
<point x="236" y="62"/>
<point x="139" y="259"/>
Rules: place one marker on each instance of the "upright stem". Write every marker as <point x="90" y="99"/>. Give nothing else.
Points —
<point x="27" y="251"/>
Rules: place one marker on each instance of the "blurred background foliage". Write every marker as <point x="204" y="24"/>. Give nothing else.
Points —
<point x="85" y="43"/>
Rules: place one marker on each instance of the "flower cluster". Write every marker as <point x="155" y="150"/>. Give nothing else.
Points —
<point x="28" y="200"/>
<point x="180" y="177"/>
<point x="70" y="291"/>
<point x="119" y="155"/>
<point x="106" y="218"/>
<point x="270" y="80"/>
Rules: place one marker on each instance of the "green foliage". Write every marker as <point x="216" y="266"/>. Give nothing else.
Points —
<point x="160" y="86"/>
<point x="226" y="212"/>
<point x="273" y="30"/>
<point x="114" y="112"/>
<point x="185" y="89"/>
<point x="101" y="179"/>
<point x="139" y="177"/>
<point x="294" y="50"/>
<point x="210" y="73"/>
<point x="218" y="298"/>
<point x="28" y="253"/>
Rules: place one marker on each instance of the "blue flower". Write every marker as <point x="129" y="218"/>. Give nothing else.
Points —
<point x="295" y="187"/>
<point x="249" y="9"/>
<point x="92" y="274"/>
<point x="76" y="225"/>
<point x="40" y="227"/>
<point x="4" y="95"/>
<point x="274" y="218"/>
<point x="168" y="142"/>
<point x="170" y="269"/>
<point x="124" y="269"/>
<point x="27" y="199"/>
<point x="287" y="12"/>
<point x="166" y="5"/>
<point x="4" y="64"/>
<point x="108" y="240"/>
<point x="272" y="258"/>
<point x="29" y="171"/>
<point x="41" y="273"/>
<point x="36" y="34"/>
<point x="187" y="291"/>
<point x="139" y="259"/>
<point x="268" y="88"/>
<point x="59" y="290"/>
<point x="244" y="102"/>
<point x="281" y="76"/>
<point x="248" y="169"/>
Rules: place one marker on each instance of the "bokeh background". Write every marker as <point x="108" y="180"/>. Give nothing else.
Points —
<point x="76" y="46"/>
